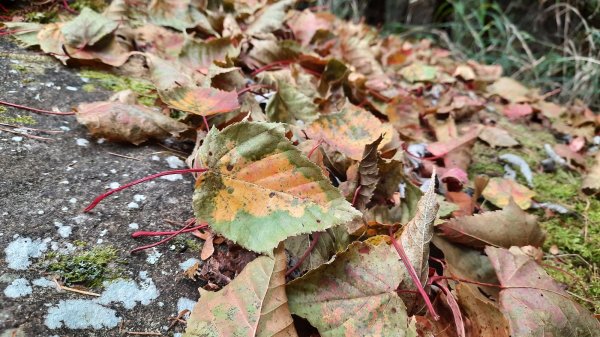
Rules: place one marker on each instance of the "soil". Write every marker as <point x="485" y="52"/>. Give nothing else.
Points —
<point x="45" y="182"/>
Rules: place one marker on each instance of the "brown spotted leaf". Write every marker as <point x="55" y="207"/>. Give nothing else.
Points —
<point x="200" y="101"/>
<point x="329" y="242"/>
<point x="533" y="302"/>
<point x="126" y="122"/>
<point x="260" y="189"/>
<point x="508" y="227"/>
<point x="368" y="175"/>
<point x="350" y="130"/>
<point x="253" y="304"/>
<point x="355" y="294"/>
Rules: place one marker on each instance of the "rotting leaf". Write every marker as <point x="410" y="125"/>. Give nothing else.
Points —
<point x="289" y="105"/>
<point x="591" y="182"/>
<point x="497" y="137"/>
<point x="269" y="18"/>
<point x="253" y="304"/>
<point x="508" y="227"/>
<point x="368" y="175"/>
<point x="127" y="123"/>
<point x="200" y="101"/>
<point x="355" y="294"/>
<point x="260" y="189"/>
<point x="533" y="302"/>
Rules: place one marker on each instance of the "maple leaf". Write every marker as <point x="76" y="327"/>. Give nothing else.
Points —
<point x="126" y="122"/>
<point x="253" y="304"/>
<point x="200" y="101"/>
<point x="329" y="242"/>
<point x="533" y="302"/>
<point x="508" y="227"/>
<point x="355" y="294"/>
<point x="260" y="189"/>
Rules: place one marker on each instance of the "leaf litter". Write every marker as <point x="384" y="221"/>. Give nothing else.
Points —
<point x="317" y="143"/>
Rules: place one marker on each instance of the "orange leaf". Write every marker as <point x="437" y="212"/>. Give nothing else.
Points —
<point x="200" y="101"/>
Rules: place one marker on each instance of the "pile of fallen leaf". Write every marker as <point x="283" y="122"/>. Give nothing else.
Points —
<point x="317" y="142"/>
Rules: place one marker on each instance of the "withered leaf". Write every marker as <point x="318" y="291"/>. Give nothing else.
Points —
<point x="87" y="29"/>
<point x="368" y="175"/>
<point x="508" y="227"/>
<point x="253" y="304"/>
<point x="533" y="302"/>
<point x="200" y="101"/>
<point x="127" y="123"/>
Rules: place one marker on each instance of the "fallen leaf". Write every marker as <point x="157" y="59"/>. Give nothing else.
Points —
<point x="306" y="23"/>
<point x="207" y="248"/>
<point x="127" y="123"/>
<point x="368" y="175"/>
<point x="419" y="72"/>
<point x="200" y="101"/>
<point x="350" y="130"/>
<point x="484" y="315"/>
<point x="533" y="302"/>
<point x="497" y="137"/>
<point x="443" y="147"/>
<point x="289" y="105"/>
<point x="260" y="189"/>
<point x="253" y="304"/>
<point x="330" y="242"/>
<point x="25" y="33"/>
<point x="87" y="29"/>
<point x="499" y="191"/>
<point x="199" y="54"/>
<point x="591" y="181"/>
<point x="354" y="295"/>
<point x="170" y="13"/>
<point x="508" y="227"/>
<point x="415" y="238"/>
<point x="269" y="18"/>
<point x="509" y="89"/>
<point x="514" y="111"/>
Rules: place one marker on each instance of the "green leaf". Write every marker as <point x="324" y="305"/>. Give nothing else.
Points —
<point x="260" y="189"/>
<point x="87" y="28"/>
<point x="419" y="72"/>
<point x="253" y="304"/>
<point x="24" y="32"/>
<point x="354" y="295"/>
<point x="289" y="105"/>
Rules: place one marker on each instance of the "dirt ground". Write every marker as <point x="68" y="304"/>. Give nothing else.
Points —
<point x="44" y="187"/>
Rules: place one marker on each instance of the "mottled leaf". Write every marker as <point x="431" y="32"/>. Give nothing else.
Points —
<point x="329" y="242"/>
<point x="289" y="105"/>
<point x="533" y="302"/>
<point x="499" y="191"/>
<point x="419" y="72"/>
<point x="170" y="13"/>
<point x="253" y="304"/>
<point x="306" y="23"/>
<point x="200" y="101"/>
<point x="354" y="295"/>
<point x="25" y="33"/>
<point x="445" y="146"/>
<point x="87" y="29"/>
<point x="508" y="227"/>
<point x="125" y="122"/>
<point x="357" y="52"/>
<point x="484" y="315"/>
<point x="198" y="54"/>
<point x="261" y="190"/>
<point x="350" y="130"/>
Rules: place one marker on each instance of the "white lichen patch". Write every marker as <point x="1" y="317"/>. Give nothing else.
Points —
<point x="82" y="142"/>
<point x="153" y="256"/>
<point x="185" y="304"/>
<point x="19" y="252"/>
<point x="174" y="162"/>
<point x="134" y="225"/>
<point x="128" y="292"/>
<point x="81" y="314"/>
<point x="139" y="197"/>
<point x="43" y="282"/>
<point x="63" y="231"/>
<point x="114" y="185"/>
<point x="133" y="205"/>
<point x="18" y="288"/>
<point x="187" y="264"/>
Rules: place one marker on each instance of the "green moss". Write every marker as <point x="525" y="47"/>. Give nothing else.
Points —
<point x="145" y="90"/>
<point x="47" y="16"/>
<point x="19" y="67"/>
<point x="17" y="119"/>
<point x="88" y="87"/>
<point x="88" y="268"/>
<point x="182" y="244"/>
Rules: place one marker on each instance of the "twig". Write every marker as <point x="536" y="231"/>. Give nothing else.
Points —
<point x="144" y="333"/>
<point x="48" y="112"/>
<point x="123" y="156"/>
<point x="310" y="248"/>
<point x="139" y="181"/>
<point x="413" y="274"/>
<point x="83" y="292"/>
<point x="25" y="134"/>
